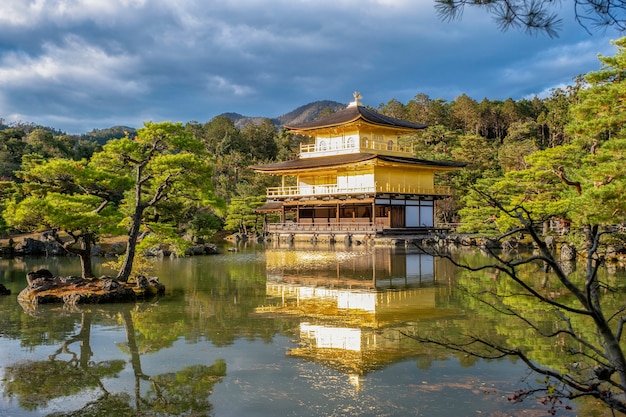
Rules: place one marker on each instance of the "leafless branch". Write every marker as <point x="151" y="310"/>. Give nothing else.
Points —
<point x="539" y="16"/>
<point x="101" y="207"/>
<point x="560" y="172"/>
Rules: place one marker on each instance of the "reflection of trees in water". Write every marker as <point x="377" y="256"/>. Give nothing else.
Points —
<point x="70" y="371"/>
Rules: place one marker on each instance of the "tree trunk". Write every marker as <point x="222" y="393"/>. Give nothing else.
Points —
<point x="84" y="252"/>
<point x="133" y="236"/>
<point x="135" y="360"/>
<point x="85" y="257"/>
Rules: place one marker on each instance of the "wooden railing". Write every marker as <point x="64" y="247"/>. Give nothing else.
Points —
<point x="350" y="227"/>
<point x="334" y="190"/>
<point x="358" y="226"/>
<point x="316" y="190"/>
<point x="335" y="148"/>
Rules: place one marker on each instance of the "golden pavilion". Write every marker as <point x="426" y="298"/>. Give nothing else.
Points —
<point x="355" y="178"/>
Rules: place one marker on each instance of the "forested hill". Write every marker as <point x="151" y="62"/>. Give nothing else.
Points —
<point x="302" y="114"/>
<point x="102" y="136"/>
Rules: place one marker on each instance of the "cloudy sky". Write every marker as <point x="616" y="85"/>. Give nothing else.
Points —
<point x="77" y="65"/>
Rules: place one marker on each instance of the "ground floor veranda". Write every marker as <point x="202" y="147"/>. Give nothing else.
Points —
<point x="373" y="216"/>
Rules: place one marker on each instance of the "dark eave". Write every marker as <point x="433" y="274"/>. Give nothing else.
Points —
<point x="319" y="162"/>
<point x="418" y="161"/>
<point x="352" y="114"/>
<point x="335" y="160"/>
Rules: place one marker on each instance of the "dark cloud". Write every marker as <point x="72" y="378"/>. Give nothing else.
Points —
<point x="78" y="64"/>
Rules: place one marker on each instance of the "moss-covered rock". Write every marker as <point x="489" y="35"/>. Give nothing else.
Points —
<point x="44" y="288"/>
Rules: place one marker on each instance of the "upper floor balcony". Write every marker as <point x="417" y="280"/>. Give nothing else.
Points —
<point x="351" y="144"/>
<point x="333" y="190"/>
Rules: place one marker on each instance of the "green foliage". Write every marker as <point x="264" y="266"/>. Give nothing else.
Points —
<point x="261" y="140"/>
<point x="168" y="168"/>
<point x="36" y="383"/>
<point x="436" y="143"/>
<point x="220" y="134"/>
<point x="581" y="179"/>
<point x="203" y="224"/>
<point x="465" y="115"/>
<point x="12" y="147"/>
<point x="44" y="143"/>
<point x="241" y="217"/>
<point x="186" y="391"/>
<point x="73" y="213"/>
<point x="66" y="195"/>
<point x="102" y="136"/>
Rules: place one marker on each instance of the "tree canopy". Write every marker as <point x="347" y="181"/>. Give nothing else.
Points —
<point x="581" y="180"/>
<point x="167" y="167"/>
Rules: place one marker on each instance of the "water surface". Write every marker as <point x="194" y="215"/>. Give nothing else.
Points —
<point x="312" y="331"/>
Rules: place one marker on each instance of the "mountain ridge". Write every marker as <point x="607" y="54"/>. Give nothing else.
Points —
<point x="302" y="114"/>
<point x="305" y="113"/>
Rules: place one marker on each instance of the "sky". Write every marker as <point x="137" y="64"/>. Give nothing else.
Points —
<point x="79" y="65"/>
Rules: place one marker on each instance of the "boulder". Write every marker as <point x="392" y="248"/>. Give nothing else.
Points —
<point x="35" y="247"/>
<point x="39" y="275"/>
<point x="149" y="285"/>
<point x="118" y="248"/>
<point x="204" y="249"/>
<point x="568" y="252"/>
<point x="4" y="290"/>
<point x="96" y="250"/>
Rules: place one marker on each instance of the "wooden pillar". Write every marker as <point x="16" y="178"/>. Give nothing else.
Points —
<point x="373" y="215"/>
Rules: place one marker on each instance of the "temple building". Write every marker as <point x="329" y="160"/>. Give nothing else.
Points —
<point x="355" y="177"/>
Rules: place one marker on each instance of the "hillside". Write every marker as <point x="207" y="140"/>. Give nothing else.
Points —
<point x="102" y="136"/>
<point x="302" y="114"/>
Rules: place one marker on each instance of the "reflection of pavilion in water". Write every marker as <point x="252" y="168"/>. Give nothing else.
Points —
<point x="354" y="304"/>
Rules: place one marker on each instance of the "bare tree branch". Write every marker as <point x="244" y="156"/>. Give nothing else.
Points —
<point x="540" y="16"/>
<point x="560" y="172"/>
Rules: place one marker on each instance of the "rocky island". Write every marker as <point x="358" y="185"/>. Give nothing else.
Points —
<point x="44" y="288"/>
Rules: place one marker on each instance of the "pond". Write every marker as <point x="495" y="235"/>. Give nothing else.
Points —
<point x="263" y="331"/>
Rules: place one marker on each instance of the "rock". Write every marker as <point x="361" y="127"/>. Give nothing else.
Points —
<point x="195" y="250"/>
<point x="568" y="252"/>
<point x="118" y="248"/>
<point x="467" y="241"/>
<point x="510" y="245"/>
<point x="204" y="249"/>
<point x="491" y="244"/>
<point x="149" y="285"/>
<point x="157" y="252"/>
<point x="211" y="249"/>
<point x="39" y="274"/>
<point x="31" y="247"/>
<point x="110" y="284"/>
<point x="71" y="280"/>
<point x="36" y="247"/>
<point x="96" y="250"/>
<point x="4" y="290"/>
